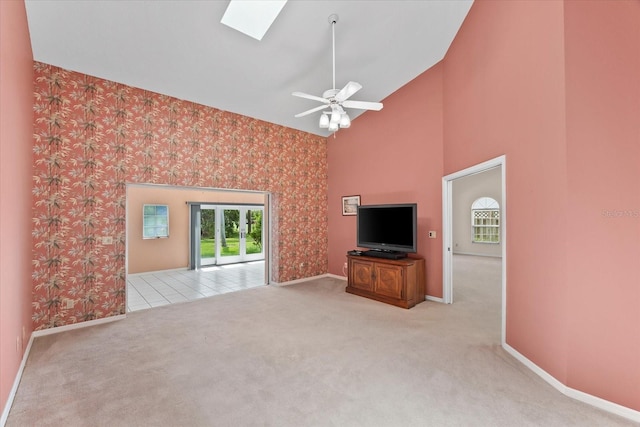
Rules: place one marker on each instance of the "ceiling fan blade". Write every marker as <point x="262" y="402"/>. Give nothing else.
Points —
<point x="362" y="105"/>
<point x="313" y="97"/>
<point x="313" y="110"/>
<point x="347" y="91"/>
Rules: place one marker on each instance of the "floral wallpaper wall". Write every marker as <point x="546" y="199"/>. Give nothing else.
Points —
<point x="93" y="137"/>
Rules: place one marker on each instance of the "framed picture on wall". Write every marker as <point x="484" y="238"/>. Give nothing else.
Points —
<point x="350" y="205"/>
<point x="155" y="221"/>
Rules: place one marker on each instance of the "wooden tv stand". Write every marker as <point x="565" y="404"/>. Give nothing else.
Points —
<point x="401" y="282"/>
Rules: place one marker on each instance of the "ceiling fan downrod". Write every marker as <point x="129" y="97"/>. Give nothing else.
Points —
<point x="333" y="20"/>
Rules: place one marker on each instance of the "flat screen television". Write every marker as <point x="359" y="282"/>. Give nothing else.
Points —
<point x="388" y="228"/>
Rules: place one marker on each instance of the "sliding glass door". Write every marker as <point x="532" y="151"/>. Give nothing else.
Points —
<point x="224" y="234"/>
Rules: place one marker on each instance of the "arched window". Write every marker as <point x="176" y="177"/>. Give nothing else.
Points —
<point x="485" y="220"/>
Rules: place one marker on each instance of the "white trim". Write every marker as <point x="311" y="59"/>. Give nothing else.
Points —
<point x="58" y="329"/>
<point x="269" y="232"/>
<point x="27" y="351"/>
<point x="485" y="204"/>
<point x="589" y="399"/>
<point x="447" y="240"/>
<point x="435" y="299"/>
<point x="16" y="383"/>
<point x="305" y="279"/>
<point x="447" y="231"/>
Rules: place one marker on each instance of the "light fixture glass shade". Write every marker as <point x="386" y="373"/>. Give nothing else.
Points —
<point x="324" y="121"/>
<point x="345" y="121"/>
<point x="333" y="126"/>
<point x="335" y="117"/>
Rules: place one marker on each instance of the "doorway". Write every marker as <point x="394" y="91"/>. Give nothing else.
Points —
<point x="225" y="234"/>
<point x="157" y="269"/>
<point x="447" y="216"/>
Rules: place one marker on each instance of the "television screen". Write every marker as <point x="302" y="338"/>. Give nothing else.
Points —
<point x="390" y="228"/>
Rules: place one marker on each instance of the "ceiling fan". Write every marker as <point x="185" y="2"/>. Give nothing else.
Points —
<point x="336" y="100"/>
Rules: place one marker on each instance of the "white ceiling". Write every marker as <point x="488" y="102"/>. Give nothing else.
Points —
<point x="180" y="48"/>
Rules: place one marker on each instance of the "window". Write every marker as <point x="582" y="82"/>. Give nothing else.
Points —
<point x="155" y="221"/>
<point x="485" y="220"/>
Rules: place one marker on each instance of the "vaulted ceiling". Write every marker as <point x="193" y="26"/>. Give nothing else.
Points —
<point x="180" y="48"/>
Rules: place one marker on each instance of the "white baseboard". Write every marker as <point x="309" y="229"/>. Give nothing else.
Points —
<point x="589" y="399"/>
<point x="27" y="351"/>
<point x="16" y="383"/>
<point x="51" y="331"/>
<point x="436" y="299"/>
<point x="305" y="279"/>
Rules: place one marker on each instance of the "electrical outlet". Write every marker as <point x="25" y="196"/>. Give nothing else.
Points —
<point x="70" y="303"/>
<point x="345" y="266"/>
<point x="432" y="234"/>
<point x="107" y="240"/>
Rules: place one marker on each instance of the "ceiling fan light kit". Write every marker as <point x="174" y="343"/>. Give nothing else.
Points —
<point x="336" y="99"/>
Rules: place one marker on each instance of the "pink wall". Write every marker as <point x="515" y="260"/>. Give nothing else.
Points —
<point x="504" y="94"/>
<point x="603" y="152"/>
<point x="392" y="156"/>
<point x="16" y="129"/>
<point x="553" y="86"/>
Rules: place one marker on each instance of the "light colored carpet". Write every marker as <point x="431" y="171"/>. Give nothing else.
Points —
<point x="302" y="355"/>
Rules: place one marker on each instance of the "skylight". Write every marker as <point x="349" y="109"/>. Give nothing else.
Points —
<point x="252" y="17"/>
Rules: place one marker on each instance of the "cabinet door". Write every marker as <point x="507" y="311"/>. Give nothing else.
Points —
<point x="389" y="280"/>
<point x="361" y="275"/>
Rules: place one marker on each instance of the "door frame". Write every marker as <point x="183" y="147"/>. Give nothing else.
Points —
<point x="195" y="215"/>
<point x="447" y="230"/>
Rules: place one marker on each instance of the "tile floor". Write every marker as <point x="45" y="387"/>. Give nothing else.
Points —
<point x="148" y="290"/>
